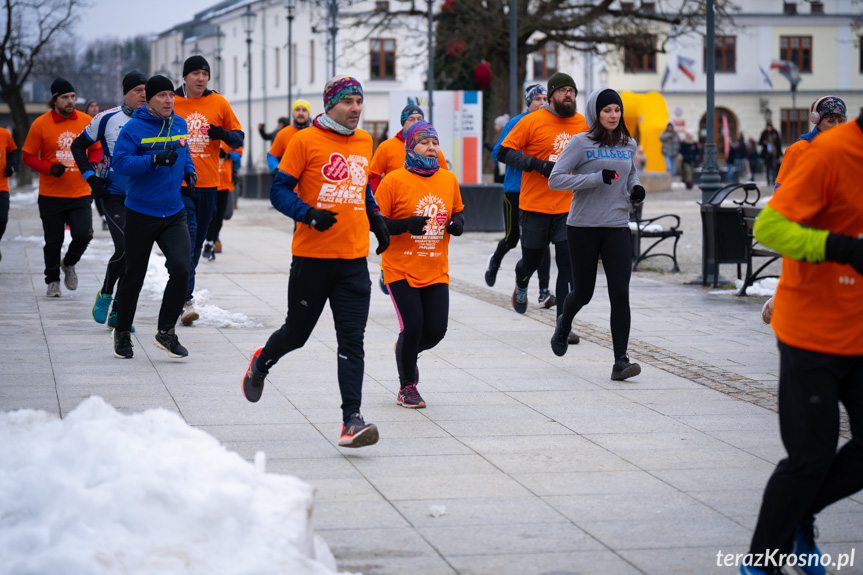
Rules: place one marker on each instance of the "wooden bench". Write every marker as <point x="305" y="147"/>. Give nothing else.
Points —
<point x="649" y="229"/>
<point x="748" y="215"/>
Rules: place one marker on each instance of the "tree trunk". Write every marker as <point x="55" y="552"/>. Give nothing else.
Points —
<point x="18" y="111"/>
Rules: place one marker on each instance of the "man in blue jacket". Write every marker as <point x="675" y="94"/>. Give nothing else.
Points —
<point x="152" y="151"/>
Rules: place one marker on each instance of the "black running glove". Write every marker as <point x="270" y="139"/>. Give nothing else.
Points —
<point x="413" y="224"/>
<point x="223" y="153"/>
<point x="544" y="167"/>
<point x="844" y="250"/>
<point x="456" y="224"/>
<point x="609" y="176"/>
<point x="321" y="220"/>
<point x="378" y="225"/>
<point x="166" y="158"/>
<point x="9" y="171"/>
<point x="217" y="133"/>
<point x="637" y="195"/>
<point x="57" y="170"/>
<point x="191" y="178"/>
<point x="99" y="186"/>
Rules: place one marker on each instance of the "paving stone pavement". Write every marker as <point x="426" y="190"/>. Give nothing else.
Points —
<point x="522" y="463"/>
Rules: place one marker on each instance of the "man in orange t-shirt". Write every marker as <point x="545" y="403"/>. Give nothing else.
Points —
<point x="301" y="112"/>
<point x="210" y="119"/>
<point x="229" y="162"/>
<point x="64" y="196"/>
<point x="8" y="166"/>
<point x="815" y="220"/>
<point x="322" y="181"/>
<point x="540" y="137"/>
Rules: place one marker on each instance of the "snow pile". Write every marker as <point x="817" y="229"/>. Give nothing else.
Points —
<point x="767" y="287"/>
<point x="104" y="493"/>
<point x="24" y="198"/>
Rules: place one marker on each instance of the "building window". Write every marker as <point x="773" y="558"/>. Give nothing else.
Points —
<point x="648" y="7"/>
<point x="383" y="59"/>
<point x="794" y="123"/>
<point x="378" y="130"/>
<point x="545" y="61"/>
<point x="278" y="67"/>
<point x="312" y="61"/>
<point x="816" y="8"/>
<point x="789" y="8"/>
<point x="797" y="49"/>
<point x="641" y="58"/>
<point x="626" y="7"/>
<point x="725" y="48"/>
<point x="382" y="6"/>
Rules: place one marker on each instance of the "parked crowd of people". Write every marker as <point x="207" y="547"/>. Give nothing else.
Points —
<point x="160" y="166"/>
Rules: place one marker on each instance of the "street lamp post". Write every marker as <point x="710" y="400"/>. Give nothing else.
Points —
<point x="249" y="27"/>
<point x="289" y="5"/>
<point x="513" y="58"/>
<point x="333" y="9"/>
<point x="710" y="180"/>
<point x="219" y="36"/>
<point x="431" y="61"/>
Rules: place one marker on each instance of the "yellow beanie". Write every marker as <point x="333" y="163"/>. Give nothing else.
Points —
<point x="304" y="103"/>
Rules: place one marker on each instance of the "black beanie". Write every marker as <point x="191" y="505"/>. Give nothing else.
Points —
<point x="157" y="84"/>
<point x="132" y="80"/>
<point x="559" y="80"/>
<point x="606" y="97"/>
<point x="61" y="86"/>
<point x="193" y="63"/>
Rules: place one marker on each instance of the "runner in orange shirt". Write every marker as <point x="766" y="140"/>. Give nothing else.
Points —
<point x="64" y="196"/>
<point x="424" y="207"/>
<point x="210" y="118"/>
<point x="228" y="160"/>
<point x="815" y="220"/>
<point x="540" y="137"/>
<point x="322" y="181"/>
<point x="301" y="112"/>
<point x="8" y="166"/>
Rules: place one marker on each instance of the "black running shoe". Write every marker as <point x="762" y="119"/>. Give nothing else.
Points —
<point x="546" y="299"/>
<point x="253" y="381"/>
<point x="519" y="299"/>
<point x="122" y="344"/>
<point x="357" y="433"/>
<point x="491" y="271"/>
<point x="559" y="342"/>
<point x="169" y="342"/>
<point x="623" y="369"/>
<point x="409" y="397"/>
<point x="573" y="338"/>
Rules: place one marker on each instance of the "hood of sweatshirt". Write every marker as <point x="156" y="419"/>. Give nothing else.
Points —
<point x="590" y="108"/>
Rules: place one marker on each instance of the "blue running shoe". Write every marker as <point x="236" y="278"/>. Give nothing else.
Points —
<point x="112" y="321"/>
<point x="809" y="556"/>
<point x="100" y="308"/>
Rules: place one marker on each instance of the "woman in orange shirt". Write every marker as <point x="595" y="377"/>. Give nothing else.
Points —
<point x="423" y="207"/>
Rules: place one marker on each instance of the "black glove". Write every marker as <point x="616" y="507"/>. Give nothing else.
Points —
<point x="608" y="176"/>
<point x="636" y="196"/>
<point x="166" y="158"/>
<point x="456" y="224"/>
<point x="99" y="186"/>
<point x="217" y="133"/>
<point x="378" y="225"/>
<point x="9" y="171"/>
<point x="416" y="225"/>
<point x="191" y="178"/>
<point x="57" y="170"/>
<point x="544" y="167"/>
<point x="844" y="250"/>
<point x="321" y="220"/>
<point x="223" y="153"/>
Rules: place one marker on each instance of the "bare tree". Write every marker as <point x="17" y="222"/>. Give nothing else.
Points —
<point x="30" y="27"/>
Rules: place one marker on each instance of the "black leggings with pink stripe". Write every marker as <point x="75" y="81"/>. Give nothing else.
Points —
<point x="423" y="315"/>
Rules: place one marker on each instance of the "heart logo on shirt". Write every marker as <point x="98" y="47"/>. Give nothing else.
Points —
<point x="441" y="218"/>
<point x="337" y="169"/>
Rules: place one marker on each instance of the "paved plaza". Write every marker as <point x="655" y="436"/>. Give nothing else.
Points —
<point x="522" y="463"/>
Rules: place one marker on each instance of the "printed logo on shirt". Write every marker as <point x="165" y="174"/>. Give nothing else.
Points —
<point x="64" y="153"/>
<point x="349" y="177"/>
<point x="608" y="153"/>
<point x="435" y="209"/>
<point x="560" y="142"/>
<point x="198" y="138"/>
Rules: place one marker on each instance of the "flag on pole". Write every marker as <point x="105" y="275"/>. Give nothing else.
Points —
<point x="687" y="66"/>
<point x="765" y="76"/>
<point x="787" y="69"/>
<point x="665" y="76"/>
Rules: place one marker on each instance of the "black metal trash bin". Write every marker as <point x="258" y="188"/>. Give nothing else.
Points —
<point x="483" y="211"/>
<point x="723" y="236"/>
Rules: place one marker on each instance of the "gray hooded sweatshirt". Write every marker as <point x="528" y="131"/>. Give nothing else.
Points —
<point x="595" y="204"/>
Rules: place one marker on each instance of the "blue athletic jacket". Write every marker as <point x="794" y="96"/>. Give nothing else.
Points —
<point x="512" y="176"/>
<point x="153" y="191"/>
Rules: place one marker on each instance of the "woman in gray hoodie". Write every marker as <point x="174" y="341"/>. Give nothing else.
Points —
<point x="599" y="167"/>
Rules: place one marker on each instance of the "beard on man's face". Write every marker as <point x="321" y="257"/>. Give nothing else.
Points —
<point x="563" y="108"/>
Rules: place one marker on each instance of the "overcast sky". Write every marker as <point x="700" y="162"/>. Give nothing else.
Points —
<point x="124" y="18"/>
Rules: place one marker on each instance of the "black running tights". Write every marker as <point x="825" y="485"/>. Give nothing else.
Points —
<point x="423" y="315"/>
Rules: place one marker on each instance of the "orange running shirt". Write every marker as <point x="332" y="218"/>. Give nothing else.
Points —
<point x="50" y="137"/>
<point x="280" y="142"/>
<point x="333" y="171"/>
<point x="226" y="168"/>
<point x="200" y="113"/>
<point x="421" y="260"/>
<point x="7" y="144"/>
<point x="818" y="306"/>
<point x="543" y="135"/>
<point x="390" y="156"/>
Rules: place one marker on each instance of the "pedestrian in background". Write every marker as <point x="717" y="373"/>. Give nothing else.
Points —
<point x="690" y="155"/>
<point x="301" y="112"/>
<point x="8" y="166"/>
<point x="771" y="151"/>
<point x="670" y="148"/>
<point x="281" y="124"/>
